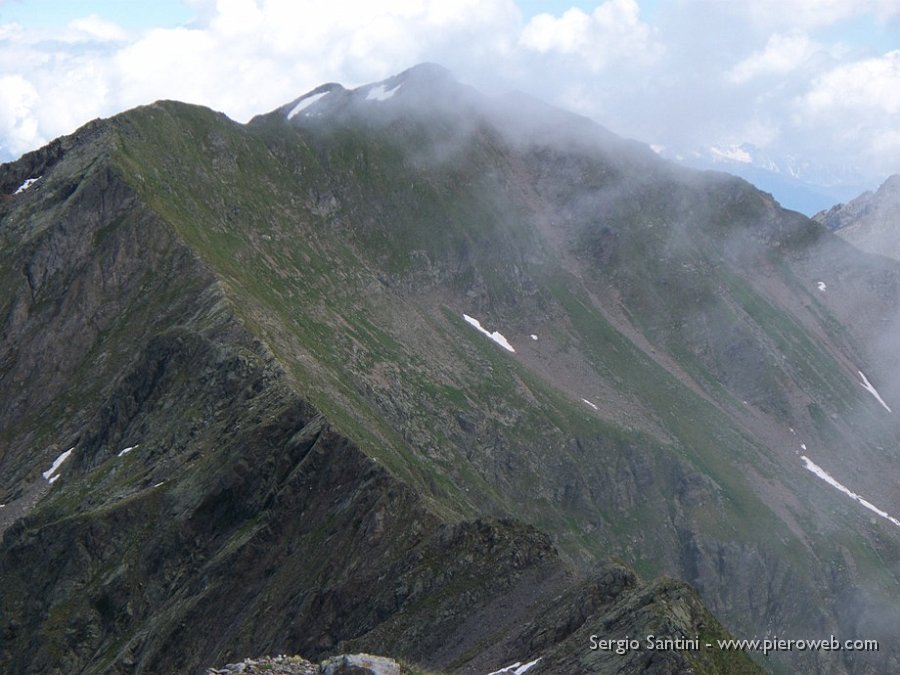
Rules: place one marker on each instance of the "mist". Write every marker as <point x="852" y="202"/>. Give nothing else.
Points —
<point x="697" y="79"/>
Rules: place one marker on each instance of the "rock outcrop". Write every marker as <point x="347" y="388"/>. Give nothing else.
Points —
<point x="345" y="664"/>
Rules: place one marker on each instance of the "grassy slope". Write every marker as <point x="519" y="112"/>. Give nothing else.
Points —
<point x="305" y="241"/>
<point x="304" y="291"/>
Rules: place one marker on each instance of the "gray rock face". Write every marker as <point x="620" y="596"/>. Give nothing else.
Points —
<point x="360" y="664"/>
<point x="276" y="665"/>
<point x="345" y="664"/>
<point x="871" y="221"/>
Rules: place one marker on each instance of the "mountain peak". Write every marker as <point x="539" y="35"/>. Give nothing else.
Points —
<point x="428" y="91"/>
<point x="426" y="84"/>
<point x="891" y="185"/>
<point x="428" y="71"/>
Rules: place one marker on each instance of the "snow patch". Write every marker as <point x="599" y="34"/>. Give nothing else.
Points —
<point x="534" y="337"/>
<point x="2" y="506"/>
<point x="516" y="668"/>
<point x="803" y="446"/>
<point x="869" y="388"/>
<point x="305" y="103"/>
<point x="27" y="184"/>
<point x="381" y="93"/>
<point x="162" y="482"/>
<point x="821" y="286"/>
<point x="49" y="473"/>
<point x="496" y="336"/>
<point x="735" y="154"/>
<point x="809" y="465"/>
<point x="127" y="450"/>
<point x="658" y="149"/>
<point x="590" y="404"/>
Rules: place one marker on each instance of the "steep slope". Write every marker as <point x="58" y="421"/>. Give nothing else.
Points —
<point x="205" y="511"/>
<point x="674" y="363"/>
<point x="870" y="220"/>
<point x="685" y="306"/>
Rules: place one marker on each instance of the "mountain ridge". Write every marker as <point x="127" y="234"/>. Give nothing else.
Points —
<point x="350" y="255"/>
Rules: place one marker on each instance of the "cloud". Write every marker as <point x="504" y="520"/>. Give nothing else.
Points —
<point x="55" y="81"/>
<point x="782" y="54"/>
<point x="612" y="33"/>
<point x="807" y="14"/>
<point x="856" y="107"/>
<point x="691" y="74"/>
<point x="18" y="126"/>
<point x="243" y="57"/>
<point x="848" y="116"/>
<point x="869" y="87"/>
<point x="96" y="29"/>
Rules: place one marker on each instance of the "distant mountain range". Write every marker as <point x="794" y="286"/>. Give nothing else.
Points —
<point x="461" y="380"/>
<point x="795" y="184"/>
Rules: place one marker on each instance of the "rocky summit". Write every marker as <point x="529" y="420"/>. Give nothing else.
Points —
<point x="452" y="377"/>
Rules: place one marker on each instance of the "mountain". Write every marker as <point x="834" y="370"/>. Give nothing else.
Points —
<point x="870" y="220"/>
<point x="454" y="378"/>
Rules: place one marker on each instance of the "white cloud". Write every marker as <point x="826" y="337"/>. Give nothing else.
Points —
<point x="856" y="107"/>
<point x="885" y="145"/>
<point x="805" y="14"/>
<point x="243" y="57"/>
<point x="237" y="16"/>
<point x="178" y="63"/>
<point x="783" y="53"/>
<point x="9" y="31"/>
<point x="759" y="132"/>
<point x="762" y="72"/>
<point x="18" y="126"/>
<point x="612" y="33"/>
<point x="869" y="87"/>
<point x="96" y="29"/>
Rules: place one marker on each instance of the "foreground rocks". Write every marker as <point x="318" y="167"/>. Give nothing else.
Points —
<point x="345" y="664"/>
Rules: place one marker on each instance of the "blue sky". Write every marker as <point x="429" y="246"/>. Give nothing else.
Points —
<point x="171" y="13"/>
<point x="49" y="14"/>
<point x="812" y="86"/>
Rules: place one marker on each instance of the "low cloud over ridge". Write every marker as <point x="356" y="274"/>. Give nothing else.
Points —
<point x="688" y="74"/>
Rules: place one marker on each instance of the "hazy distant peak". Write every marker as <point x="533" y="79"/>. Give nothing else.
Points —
<point x="426" y="84"/>
<point x="885" y="198"/>
<point x="870" y="220"/>
<point x="430" y="72"/>
<point x="428" y="92"/>
<point x="892" y="184"/>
